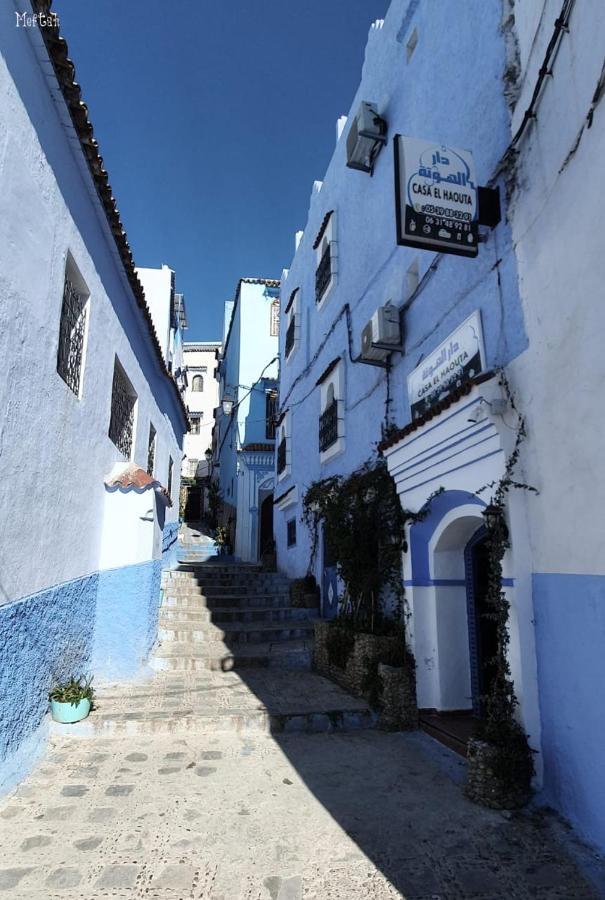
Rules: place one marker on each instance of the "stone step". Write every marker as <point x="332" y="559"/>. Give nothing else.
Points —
<point x="215" y="656"/>
<point x="176" y="588"/>
<point x="236" y="632"/>
<point x="249" y="601"/>
<point x="220" y="614"/>
<point x="258" y="701"/>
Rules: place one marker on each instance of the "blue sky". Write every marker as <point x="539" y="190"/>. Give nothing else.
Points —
<point x="214" y="117"/>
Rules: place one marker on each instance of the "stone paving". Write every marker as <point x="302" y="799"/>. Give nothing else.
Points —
<point x="234" y="817"/>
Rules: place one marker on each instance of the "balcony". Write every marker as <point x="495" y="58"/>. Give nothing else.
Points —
<point x="323" y="274"/>
<point x="281" y="457"/>
<point x="290" y="335"/>
<point x="328" y="426"/>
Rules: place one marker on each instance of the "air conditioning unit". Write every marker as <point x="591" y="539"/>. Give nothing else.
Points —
<point x="366" y="137"/>
<point x="382" y="334"/>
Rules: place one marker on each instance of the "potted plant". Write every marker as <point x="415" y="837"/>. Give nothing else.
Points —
<point x="222" y="539"/>
<point x="71" y="700"/>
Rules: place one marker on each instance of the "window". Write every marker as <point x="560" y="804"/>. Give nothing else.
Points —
<point x="151" y="450"/>
<point x="332" y="409"/>
<point x="292" y="318"/>
<point x="72" y="328"/>
<point x="195" y="424"/>
<point x="291" y="533"/>
<point x="123" y="402"/>
<point x="328" y="422"/>
<point x="170" y="468"/>
<point x="281" y="455"/>
<point x="270" y="414"/>
<point x="197" y="383"/>
<point x="326" y="258"/>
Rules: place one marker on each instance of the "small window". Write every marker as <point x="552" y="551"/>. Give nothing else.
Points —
<point x="151" y="450"/>
<point x="291" y="533"/>
<point x="170" y="468"/>
<point x="326" y="258"/>
<point x="123" y="403"/>
<point x="281" y="453"/>
<point x="72" y="328"/>
<point x="197" y="383"/>
<point x="270" y="414"/>
<point x="195" y="425"/>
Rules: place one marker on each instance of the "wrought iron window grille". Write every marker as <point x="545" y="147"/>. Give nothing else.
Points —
<point x="123" y="401"/>
<point x="270" y="415"/>
<point x="291" y="533"/>
<point x="328" y="426"/>
<point x="281" y="456"/>
<point x="290" y="335"/>
<point x="323" y="274"/>
<point x="71" y="337"/>
<point x="151" y="450"/>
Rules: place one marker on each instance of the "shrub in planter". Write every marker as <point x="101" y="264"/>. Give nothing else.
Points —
<point x="304" y="592"/>
<point x="71" y="700"/>
<point x="500" y="770"/>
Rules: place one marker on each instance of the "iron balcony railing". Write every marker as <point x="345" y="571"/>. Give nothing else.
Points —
<point x="281" y="457"/>
<point x="323" y="274"/>
<point x="290" y="336"/>
<point x="328" y="426"/>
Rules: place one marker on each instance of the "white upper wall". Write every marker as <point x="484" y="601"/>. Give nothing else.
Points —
<point x="200" y="359"/>
<point x="157" y="284"/>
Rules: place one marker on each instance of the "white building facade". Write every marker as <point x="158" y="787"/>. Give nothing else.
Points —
<point x="92" y="434"/>
<point x="505" y="331"/>
<point x="201" y="397"/>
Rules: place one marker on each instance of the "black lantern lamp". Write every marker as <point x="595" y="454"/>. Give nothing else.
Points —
<point x="493" y="516"/>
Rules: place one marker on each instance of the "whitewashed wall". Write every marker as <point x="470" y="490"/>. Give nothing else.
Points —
<point x="55" y="449"/>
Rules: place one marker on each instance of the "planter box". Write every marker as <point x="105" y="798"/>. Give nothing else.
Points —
<point x="303" y="594"/>
<point x="68" y="713"/>
<point x="484" y="783"/>
<point x="399" y="711"/>
<point x="397" y="697"/>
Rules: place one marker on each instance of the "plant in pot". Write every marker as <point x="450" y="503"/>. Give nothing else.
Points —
<point x="71" y="700"/>
<point x="500" y="762"/>
<point x="221" y="538"/>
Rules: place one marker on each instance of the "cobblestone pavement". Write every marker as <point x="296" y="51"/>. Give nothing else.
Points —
<point x="342" y="816"/>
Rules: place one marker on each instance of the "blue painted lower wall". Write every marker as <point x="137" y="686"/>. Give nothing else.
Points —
<point x="170" y="536"/>
<point x="570" y="645"/>
<point x="43" y="637"/>
<point x="126" y="619"/>
<point x="104" y="623"/>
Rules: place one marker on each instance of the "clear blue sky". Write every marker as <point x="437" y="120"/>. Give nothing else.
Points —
<point x="214" y="117"/>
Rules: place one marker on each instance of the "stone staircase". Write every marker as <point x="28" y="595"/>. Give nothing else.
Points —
<point x="232" y="654"/>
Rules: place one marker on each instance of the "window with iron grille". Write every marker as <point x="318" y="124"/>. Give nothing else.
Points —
<point x="151" y="450"/>
<point x="281" y="456"/>
<point x="291" y="533"/>
<point x="195" y="424"/>
<point x="72" y="330"/>
<point x="290" y="335"/>
<point x="123" y="402"/>
<point x="197" y="383"/>
<point x="170" y="468"/>
<point x="270" y="414"/>
<point x="328" y="426"/>
<point x="323" y="274"/>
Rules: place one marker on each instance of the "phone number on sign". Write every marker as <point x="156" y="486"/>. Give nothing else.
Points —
<point x="448" y="213"/>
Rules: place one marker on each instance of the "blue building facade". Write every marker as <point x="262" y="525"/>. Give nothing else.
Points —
<point x="465" y="85"/>
<point x="244" y="438"/>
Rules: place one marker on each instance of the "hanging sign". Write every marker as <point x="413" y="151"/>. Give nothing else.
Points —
<point x="274" y="328"/>
<point x="436" y="197"/>
<point x="460" y="357"/>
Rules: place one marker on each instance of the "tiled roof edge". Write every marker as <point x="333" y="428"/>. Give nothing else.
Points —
<point x="435" y="410"/>
<point x="65" y="73"/>
<point x="322" y="228"/>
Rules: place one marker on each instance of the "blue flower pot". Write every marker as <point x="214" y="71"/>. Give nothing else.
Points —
<point x="69" y="712"/>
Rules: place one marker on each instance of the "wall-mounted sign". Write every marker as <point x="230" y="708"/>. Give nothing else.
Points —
<point x="274" y="328"/>
<point x="436" y="197"/>
<point x="460" y="357"/>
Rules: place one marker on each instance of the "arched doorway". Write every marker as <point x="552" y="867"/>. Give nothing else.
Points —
<point x="266" y="525"/>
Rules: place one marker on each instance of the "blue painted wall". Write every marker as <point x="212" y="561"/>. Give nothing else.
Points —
<point x="570" y="644"/>
<point x="43" y="637"/>
<point x="461" y="103"/>
<point x="104" y="624"/>
<point x="126" y="619"/>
